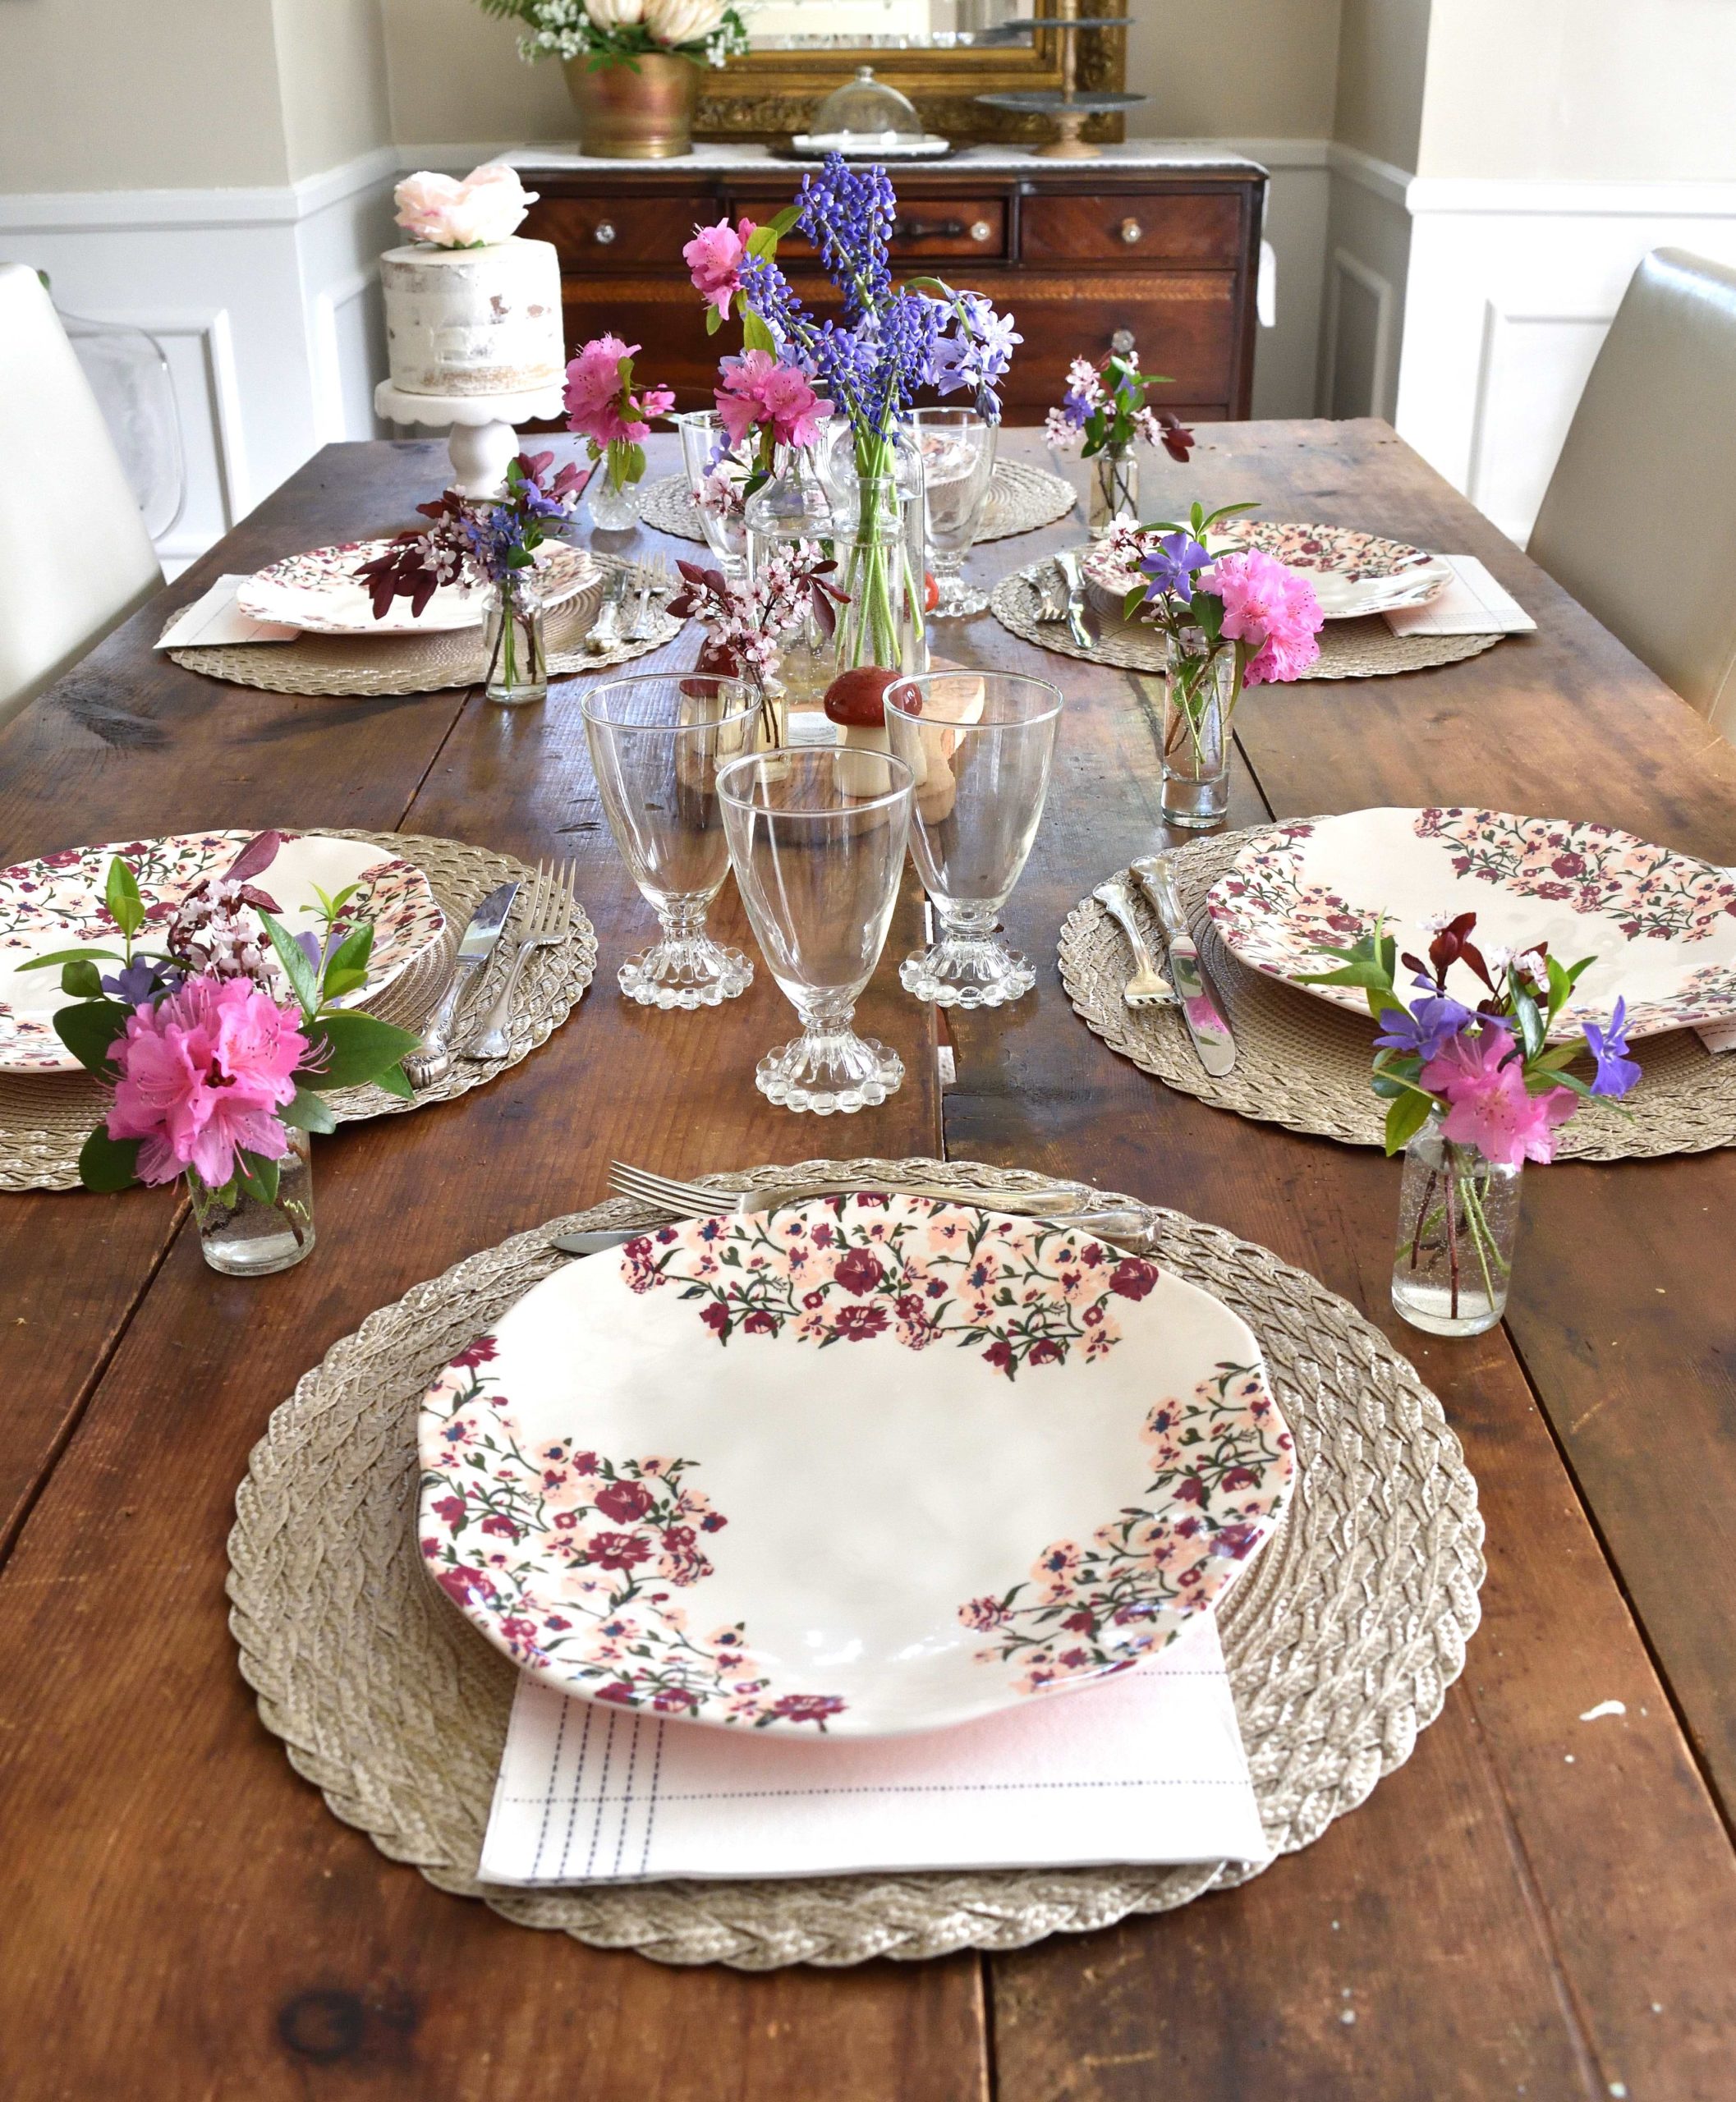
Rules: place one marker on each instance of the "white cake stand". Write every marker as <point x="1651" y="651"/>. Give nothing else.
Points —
<point x="483" y="438"/>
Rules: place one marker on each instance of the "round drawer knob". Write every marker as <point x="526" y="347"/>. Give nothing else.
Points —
<point x="981" y="229"/>
<point x="605" y="232"/>
<point x="1131" y="232"/>
<point x="1122" y="342"/>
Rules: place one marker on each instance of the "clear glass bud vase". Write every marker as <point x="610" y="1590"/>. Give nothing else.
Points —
<point x="1199" y="699"/>
<point x="1114" y="488"/>
<point x="248" y="1238"/>
<point x="1459" y="1218"/>
<point x="611" y="500"/>
<point x="879" y="568"/>
<point x="517" y="660"/>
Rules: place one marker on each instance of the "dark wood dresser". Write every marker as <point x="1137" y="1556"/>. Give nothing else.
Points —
<point x="1162" y="252"/>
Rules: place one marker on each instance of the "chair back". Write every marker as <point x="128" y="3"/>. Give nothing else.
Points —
<point x="74" y="557"/>
<point x="1639" y="519"/>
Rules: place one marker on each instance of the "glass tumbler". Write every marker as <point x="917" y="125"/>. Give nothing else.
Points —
<point x="958" y="448"/>
<point x="817" y="836"/>
<point x="657" y="744"/>
<point x="717" y="474"/>
<point x="980" y="745"/>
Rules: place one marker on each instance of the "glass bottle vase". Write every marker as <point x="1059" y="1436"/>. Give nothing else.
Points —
<point x="611" y="500"/>
<point x="1458" y="1219"/>
<point x="1114" y="488"/>
<point x="1199" y="699"/>
<point x="248" y="1238"/>
<point x="513" y="650"/>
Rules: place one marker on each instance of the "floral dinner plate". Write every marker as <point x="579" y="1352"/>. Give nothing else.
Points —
<point x="864" y="1466"/>
<point x="318" y="592"/>
<point x="1661" y="926"/>
<point x="1353" y="574"/>
<point x="56" y="903"/>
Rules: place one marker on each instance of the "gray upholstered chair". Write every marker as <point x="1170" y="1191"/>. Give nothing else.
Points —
<point x="1639" y="520"/>
<point x="74" y="557"/>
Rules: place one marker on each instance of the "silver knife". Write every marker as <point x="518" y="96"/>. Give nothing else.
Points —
<point x="594" y="1240"/>
<point x="1068" y="562"/>
<point x="432" y="1058"/>
<point x="1202" y="1010"/>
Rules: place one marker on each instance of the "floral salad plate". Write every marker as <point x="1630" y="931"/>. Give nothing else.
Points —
<point x="863" y="1465"/>
<point x="1661" y="926"/>
<point x="318" y="592"/>
<point x="1353" y="574"/>
<point x="56" y="903"/>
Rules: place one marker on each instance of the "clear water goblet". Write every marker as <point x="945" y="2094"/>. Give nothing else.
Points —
<point x="718" y="475"/>
<point x="817" y="836"/>
<point x="657" y="743"/>
<point x="980" y="745"/>
<point x="959" y="449"/>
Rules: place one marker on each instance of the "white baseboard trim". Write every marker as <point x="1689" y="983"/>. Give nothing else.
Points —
<point x="1470" y="195"/>
<point x="1392" y="184"/>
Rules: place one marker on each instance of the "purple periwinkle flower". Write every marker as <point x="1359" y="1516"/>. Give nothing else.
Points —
<point x="1426" y="1030"/>
<point x="1616" y="1072"/>
<point x="142" y="982"/>
<point x="1171" y="565"/>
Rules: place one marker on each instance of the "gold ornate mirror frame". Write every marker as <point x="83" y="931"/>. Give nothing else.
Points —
<point x="769" y="94"/>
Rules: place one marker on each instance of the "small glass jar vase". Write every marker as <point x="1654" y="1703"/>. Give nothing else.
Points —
<point x="1113" y="495"/>
<point x="248" y="1238"/>
<point x="1459" y="1218"/>
<point x="1199" y="699"/>
<point x="880" y="569"/>
<point x="611" y="500"/>
<point x="512" y="645"/>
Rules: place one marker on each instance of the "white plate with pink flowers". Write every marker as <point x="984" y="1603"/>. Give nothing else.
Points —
<point x="862" y="1466"/>
<point x="1661" y="926"/>
<point x="1353" y="574"/>
<point x="57" y="903"/>
<point x="318" y="592"/>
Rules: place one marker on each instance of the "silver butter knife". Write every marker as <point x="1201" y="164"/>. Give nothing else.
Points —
<point x="431" y="1060"/>
<point x="594" y="1240"/>
<point x="1207" y="1023"/>
<point x="1068" y="562"/>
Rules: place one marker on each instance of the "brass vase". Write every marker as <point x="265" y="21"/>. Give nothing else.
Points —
<point x="629" y="115"/>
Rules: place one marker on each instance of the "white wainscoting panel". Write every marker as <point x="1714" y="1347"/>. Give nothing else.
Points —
<point x="1367" y="257"/>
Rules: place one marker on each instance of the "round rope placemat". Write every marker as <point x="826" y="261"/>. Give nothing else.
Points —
<point x="1341" y="1641"/>
<point x="1349" y="650"/>
<point x="1305" y="1064"/>
<point x="424" y="663"/>
<point x="46" y="1117"/>
<point x="1021" y="498"/>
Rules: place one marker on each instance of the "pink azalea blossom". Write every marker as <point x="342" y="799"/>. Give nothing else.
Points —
<point x="600" y="402"/>
<point x="1482" y="1080"/>
<point x="202" y="1073"/>
<point x="757" y="389"/>
<point x="714" y="257"/>
<point x="1271" y="607"/>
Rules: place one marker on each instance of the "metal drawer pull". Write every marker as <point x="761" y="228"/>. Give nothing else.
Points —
<point x="1132" y="232"/>
<point x="932" y="230"/>
<point x="981" y="229"/>
<point x="606" y="231"/>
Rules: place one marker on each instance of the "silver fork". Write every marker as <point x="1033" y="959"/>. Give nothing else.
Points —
<point x="605" y="631"/>
<point x="652" y="579"/>
<point x="1148" y="987"/>
<point x="695" y="1199"/>
<point x="547" y="918"/>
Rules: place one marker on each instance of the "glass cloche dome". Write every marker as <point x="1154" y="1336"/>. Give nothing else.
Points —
<point x="865" y="108"/>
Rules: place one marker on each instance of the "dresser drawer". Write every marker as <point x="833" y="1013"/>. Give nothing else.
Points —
<point x="618" y="232"/>
<point x="1184" y="324"/>
<point x="974" y="227"/>
<point x="1131" y="226"/>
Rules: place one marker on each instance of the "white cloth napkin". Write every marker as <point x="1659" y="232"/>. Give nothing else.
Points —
<point x="1471" y="604"/>
<point x="216" y="618"/>
<point x="1147" y="1766"/>
<point x="1717" y="1036"/>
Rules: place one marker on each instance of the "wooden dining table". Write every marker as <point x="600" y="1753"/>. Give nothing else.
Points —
<point x="1540" y="1901"/>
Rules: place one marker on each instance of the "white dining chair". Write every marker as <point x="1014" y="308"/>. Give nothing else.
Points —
<point x="74" y="557"/>
<point x="1639" y="519"/>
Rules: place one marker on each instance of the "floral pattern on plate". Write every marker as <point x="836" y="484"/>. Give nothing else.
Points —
<point x="1353" y="574"/>
<point x="1648" y="914"/>
<point x="575" y="1559"/>
<point x="317" y="591"/>
<point x="57" y="903"/>
<point x="1222" y="1462"/>
<point x="1021" y="1294"/>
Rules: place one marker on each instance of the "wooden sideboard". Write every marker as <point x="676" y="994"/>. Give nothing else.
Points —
<point x="1087" y="256"/>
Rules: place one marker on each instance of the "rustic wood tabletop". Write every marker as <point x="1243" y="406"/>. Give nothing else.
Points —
<point x="1534" y="1905"/>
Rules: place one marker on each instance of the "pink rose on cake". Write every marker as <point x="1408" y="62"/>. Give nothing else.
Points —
<point x="487" y="207"/>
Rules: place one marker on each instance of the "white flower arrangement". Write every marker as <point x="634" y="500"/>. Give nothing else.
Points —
<point x="616" y="32"/>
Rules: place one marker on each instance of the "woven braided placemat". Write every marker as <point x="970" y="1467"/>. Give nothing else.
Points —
<point x="1303" y="1063"/>
<point x="425" y="663"/>
<point x="1341" y="1641"/>
<point x="46" y="1117"/>
<point x="1349" y="650"/>
<point x="1021" y="498"/>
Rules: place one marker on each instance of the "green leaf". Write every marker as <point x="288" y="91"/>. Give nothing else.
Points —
<point x="632" y="462"/>
<point x="1561" y="985"/>
<point x="258" y="1176"/>
<point x="1405" y="1118"/>
<point x="88" y="1029"/>
<point x="352" y="952"/>
<point x="755" y="336"/>
<point x="106" y="1163"/>
<point x="396" y="1082"/>
<point x="84" y="981"/>
<point x="70" y="956"/>
<point x="308" y="1112"/>
<point x="351" y="1048"/>
<point x="336" y="983"/>
<point x="296" y="965"/>
<point x="1532" y="1035"/>
<point x="126" y="907"/>
<point x="781" y="225"/>
<point x="714" y="321"/>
